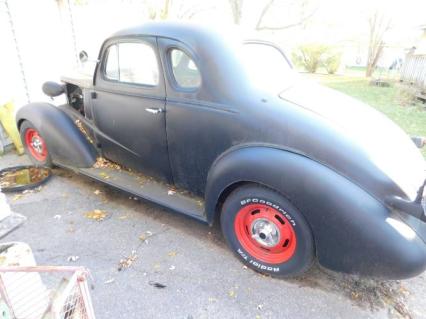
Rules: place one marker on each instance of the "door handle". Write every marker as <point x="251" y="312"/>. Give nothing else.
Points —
<point x="154" y="111"/>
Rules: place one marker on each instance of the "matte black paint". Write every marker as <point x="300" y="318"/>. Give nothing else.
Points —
<point x="119" y="111"/>
<point x="227" y="132"/>
<point x="65" y="143"/>
<point x="348" y="223"/>
<point x="52" y="89"/>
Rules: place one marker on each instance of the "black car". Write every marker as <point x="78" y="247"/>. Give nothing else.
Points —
<point x="219" y="128"/>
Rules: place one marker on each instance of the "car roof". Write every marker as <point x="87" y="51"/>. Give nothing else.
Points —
<point x="182" y="31"/>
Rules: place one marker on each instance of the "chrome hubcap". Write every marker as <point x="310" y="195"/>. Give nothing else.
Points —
<point x="37" y="145"/>
<point x="265" y="232"/>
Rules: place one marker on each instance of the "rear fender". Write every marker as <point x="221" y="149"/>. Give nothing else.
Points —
<point x="66" y="143"/>
<point x="351" y="228"/>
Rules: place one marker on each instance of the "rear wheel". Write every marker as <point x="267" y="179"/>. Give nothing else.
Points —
<point x="267" y="232"/>
<point x="35" y="145"/>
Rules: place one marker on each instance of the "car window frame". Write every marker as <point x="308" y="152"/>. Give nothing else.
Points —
<point x="106" y="58"/>
<point x="278" y="48"/>
<point x="169" y="66"/>
<point x="130" y="84"/>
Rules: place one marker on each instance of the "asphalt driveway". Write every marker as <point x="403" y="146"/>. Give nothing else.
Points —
<point x="202" y="278"/>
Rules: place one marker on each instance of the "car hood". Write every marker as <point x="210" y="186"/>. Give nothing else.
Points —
<point x="382" y="143"/>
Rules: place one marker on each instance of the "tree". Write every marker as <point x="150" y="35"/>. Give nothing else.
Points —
<point x="237" y="10"/>
<point x="306" y="13"/>
<point x="176" y="9"/>
<point x="378" y="24"/>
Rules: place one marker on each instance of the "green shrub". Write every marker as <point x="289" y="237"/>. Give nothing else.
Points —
<point x="332" y="62"/>
<point x="309" y="56"/>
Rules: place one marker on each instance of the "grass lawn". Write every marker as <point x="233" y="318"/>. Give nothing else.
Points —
<point x="394" y="101"/>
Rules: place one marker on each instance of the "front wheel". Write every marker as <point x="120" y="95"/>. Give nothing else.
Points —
<point x="267" y="232"/>
<point x="35" y="145"/>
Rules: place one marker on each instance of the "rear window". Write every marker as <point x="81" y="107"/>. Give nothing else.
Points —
<point x="185" y="72"/>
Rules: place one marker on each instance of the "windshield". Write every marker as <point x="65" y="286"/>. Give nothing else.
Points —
<point x="267" y="67"/>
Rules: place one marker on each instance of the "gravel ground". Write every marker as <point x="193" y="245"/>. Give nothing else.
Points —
<point x="202" y="278"/>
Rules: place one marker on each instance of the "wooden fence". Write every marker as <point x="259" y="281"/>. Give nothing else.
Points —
<point x="413" y="70"/>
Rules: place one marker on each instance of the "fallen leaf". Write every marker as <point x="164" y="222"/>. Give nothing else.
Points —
<point x="231" y="293"/>
<point x="97" y="214"/>
<point x="73" y="258"/>
<point x="104" y="163"/>
<point x="156" y="284"/>
<point x="144" y="237"/>
<point x="97" y="192"/>
<point x="16" y="197"/>
<point x="402" y="309"/>
<point x="104" y="175"/>
<point x="172" y="254"/>
<point x="128" y="261"/>
<point x="123" y="217"/>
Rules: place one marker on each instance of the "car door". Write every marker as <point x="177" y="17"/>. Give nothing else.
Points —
<point x="198" y="128"/>
<point x="129" y="106"/>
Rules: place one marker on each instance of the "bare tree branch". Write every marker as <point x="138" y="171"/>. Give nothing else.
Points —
<point x="237" y="10"/>
<point x="260" y="22"/>
<point x="263" y="13"/>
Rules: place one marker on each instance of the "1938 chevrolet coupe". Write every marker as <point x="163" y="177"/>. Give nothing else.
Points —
<point x="292" y="170"/>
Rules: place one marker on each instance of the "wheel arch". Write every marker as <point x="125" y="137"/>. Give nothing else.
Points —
<point x="65" y="142"/>
<point x="222" y="180"/>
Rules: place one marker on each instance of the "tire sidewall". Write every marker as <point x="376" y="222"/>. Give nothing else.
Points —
<point x="304" y="253"/>
<point x="22" y="130"/>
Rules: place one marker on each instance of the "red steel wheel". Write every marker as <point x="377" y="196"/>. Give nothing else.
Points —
<point x="36" y="145"/>
<point x="265" y="233"/>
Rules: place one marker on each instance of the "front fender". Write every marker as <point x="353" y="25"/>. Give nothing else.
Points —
<point x="65" y="142"/>
<point x="351" y="228"/>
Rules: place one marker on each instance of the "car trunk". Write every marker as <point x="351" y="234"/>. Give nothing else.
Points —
<point x="382" y="142"/>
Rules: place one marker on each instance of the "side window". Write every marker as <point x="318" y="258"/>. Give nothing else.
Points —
<point x="111" y="69"/>
<point x="132" y="62"/>
<point x="185" y="71"/>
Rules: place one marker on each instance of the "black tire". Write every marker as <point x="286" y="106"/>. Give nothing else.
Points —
<point x="241" y="200"/>
<point x="46" y="161"/>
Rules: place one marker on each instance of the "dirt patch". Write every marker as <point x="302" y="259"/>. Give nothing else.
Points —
<point x="371" y="294"/>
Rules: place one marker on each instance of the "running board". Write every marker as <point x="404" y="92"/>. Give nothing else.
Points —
<point x="148" y="188"/>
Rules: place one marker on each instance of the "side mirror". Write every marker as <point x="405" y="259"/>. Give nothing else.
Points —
<point x="83" y="56"/>
<point x="53" y="89"/>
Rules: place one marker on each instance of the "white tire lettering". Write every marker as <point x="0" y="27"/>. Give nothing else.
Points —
<point x="275" y="206"/>
<point x="263" y="267"/>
